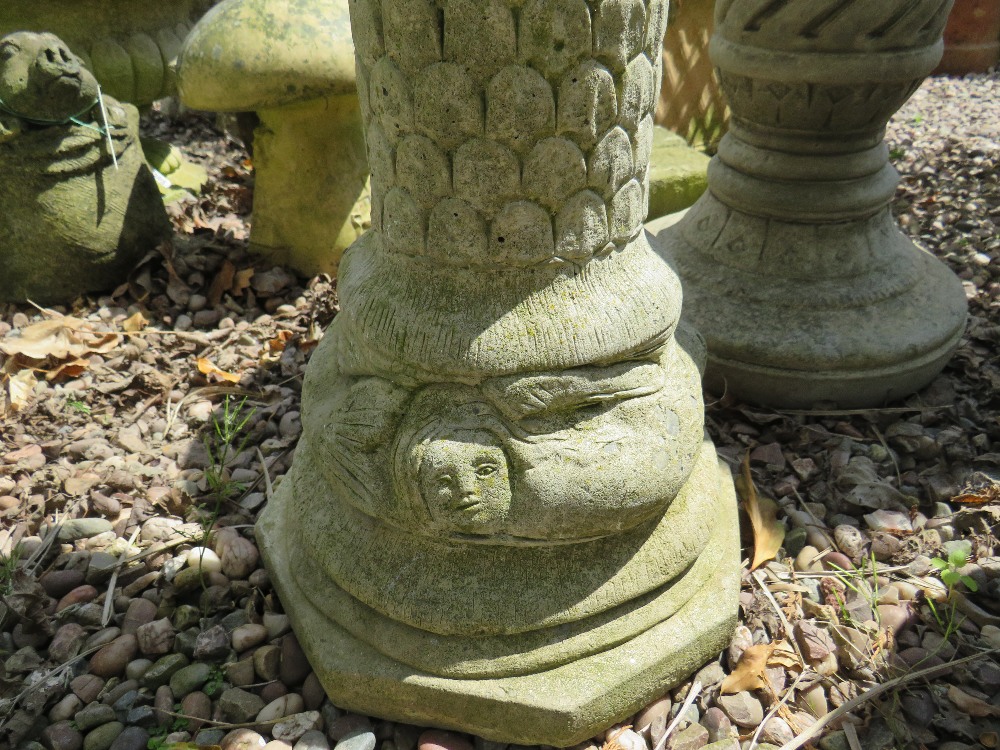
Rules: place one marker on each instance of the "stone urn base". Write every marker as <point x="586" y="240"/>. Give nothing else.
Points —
<point x="558" y="706"/>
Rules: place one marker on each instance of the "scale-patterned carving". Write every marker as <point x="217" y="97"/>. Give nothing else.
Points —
<point x="527" y="124"/>
<point x="833" y="25"/>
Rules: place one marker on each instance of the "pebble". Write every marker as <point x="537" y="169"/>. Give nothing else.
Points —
<point x="293" y="726"/>
<point x="132" y="738"/>
<point x="312" y="740"/>
<point x="93" y="715"/>
<point x="276" y="624"/>
<point x="240" y="673"/>
<point x="163" y="704"/>
<point x="87" y="687"/>
<point x="279" y="708"/>
<point x="62" y="736"/>
<point x="239" y="706"/>
<point x="140" y="612"/>
<point x="67" y="642"/>
<point x="432" y="739"/>
<point x="267" y="662"/>
<point x="742" y="640"/>
<point x="111" y="660"/>
<point x="83" y="528"/>
<point x="777" y="731"/>
<point x="155" y="638"/>
<point x="294" y="665"/>
<point x="198" y="706"/>
<point x="248" y="636"/>
<point x="212" y="643"/>
<point x="66" y="708"/>
<point x="204" y="559"/>
<point x="242" y="739"/>
<point x="272" y="691"/>
<point x="313" y="693"/>
<point x="743" y="709"/>
<point x="652" y="721"/>
<point x="363" y="738"/>
<point x="163" y="669"/>
<point x="100" y="567"/>
<point x="717" y="724"/>
<point x="136" y="668"/>
<point x="693" y="737"/>
<point x="190" y="678"/>
<point x="892" y="521"/>
<point x="79" y="595"/>
<point x="58" y="583"/>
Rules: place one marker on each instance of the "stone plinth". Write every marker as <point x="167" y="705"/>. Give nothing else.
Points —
<point x="794" y="269"/>
<point x="503" y="515"/>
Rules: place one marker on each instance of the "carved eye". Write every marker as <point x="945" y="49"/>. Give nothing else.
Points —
<point x="8" y="50"/>
<point x="486" y="470"/>
<point x="444" y="481"/>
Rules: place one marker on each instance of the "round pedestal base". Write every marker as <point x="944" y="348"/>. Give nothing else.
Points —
<point x="849" y="314"/>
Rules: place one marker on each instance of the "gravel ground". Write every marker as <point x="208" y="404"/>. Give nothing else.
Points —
<point x="142" y="430"/>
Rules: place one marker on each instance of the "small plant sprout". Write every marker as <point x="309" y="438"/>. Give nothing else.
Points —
<point x="8" y="564"/>
<point x="949" y="569"/>
<point x="77" y="405"/>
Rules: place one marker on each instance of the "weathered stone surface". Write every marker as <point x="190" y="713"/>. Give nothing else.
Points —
<point x="502" y="401"/>
<point x="678" y="174"/>
<point x="292" y="64"/>
<point x="128" y="45"/>
<point x="798" y="211"/>
<point x="72" y="221"/>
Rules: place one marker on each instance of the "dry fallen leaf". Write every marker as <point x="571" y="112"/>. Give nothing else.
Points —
<point x="751" y="670"/>
<point x="207" y="368"/>
<point x="62" y="337"/>
<point x="768" y="531"/>
<point x="19" y="389"/>
<point x="971" y="705"/>
<point x="135" y="323"/>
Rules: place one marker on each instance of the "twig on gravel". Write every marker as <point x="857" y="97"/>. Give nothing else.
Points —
<point x="859" y="412"/>
<point x="122" y="559"/>
<point x="268" y="488"/>
<point x="789" y="691"/>
<point x="850" y="705"/>
<point x="891" y="454"/>
<point x="759" y="578"/>
<point x="691" y="696"/>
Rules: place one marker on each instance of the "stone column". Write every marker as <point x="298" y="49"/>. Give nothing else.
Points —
<point x="503" y="515"/>
<point x="793" y="267"/>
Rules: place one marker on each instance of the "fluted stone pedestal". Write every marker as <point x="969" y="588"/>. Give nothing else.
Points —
<point x="503" y="516"/>
<point x="793" y="267"/>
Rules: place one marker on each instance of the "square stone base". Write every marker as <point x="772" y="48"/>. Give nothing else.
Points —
<point x="561" y="706"/>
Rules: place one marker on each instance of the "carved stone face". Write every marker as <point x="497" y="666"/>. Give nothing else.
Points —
<point x="465" y="482"/>
<point x="41" y="79"/>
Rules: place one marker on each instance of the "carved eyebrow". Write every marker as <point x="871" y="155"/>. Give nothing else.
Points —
<point x="10" y="46"/>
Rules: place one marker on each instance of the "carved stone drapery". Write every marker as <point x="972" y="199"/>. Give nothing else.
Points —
<point x="503" y="516"/>
<point x="793" y="267"/>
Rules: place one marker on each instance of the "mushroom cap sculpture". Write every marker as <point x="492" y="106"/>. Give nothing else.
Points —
<point x="293" y="64"/>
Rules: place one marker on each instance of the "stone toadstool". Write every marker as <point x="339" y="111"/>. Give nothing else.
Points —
<point x="291" y="62"/>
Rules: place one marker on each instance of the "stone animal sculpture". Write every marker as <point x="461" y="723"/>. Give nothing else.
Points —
<point x="79" y="206"/>
<point x="129" y="45"/>
<point x="503" y="515"/>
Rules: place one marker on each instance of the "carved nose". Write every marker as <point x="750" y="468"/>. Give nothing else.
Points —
<point x="57" y="60"/>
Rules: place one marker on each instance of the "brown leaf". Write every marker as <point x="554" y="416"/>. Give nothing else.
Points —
<point x="135" y="323"/>
<point x="971" y="705"/>
<point x="222" y="282"/>
<point x="207" y="368"/>
<point x="20" y="388"/>
<point x="63" y="337"/>
<point x="751" y="670"/>
<point x="242" y="281"/>
<point x="28" y="601"/>
<point x="768" y="531"/>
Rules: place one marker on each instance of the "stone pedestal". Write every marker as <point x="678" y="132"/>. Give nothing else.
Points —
<point x="503" y="515"/>
<point x="793" y="267"/>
